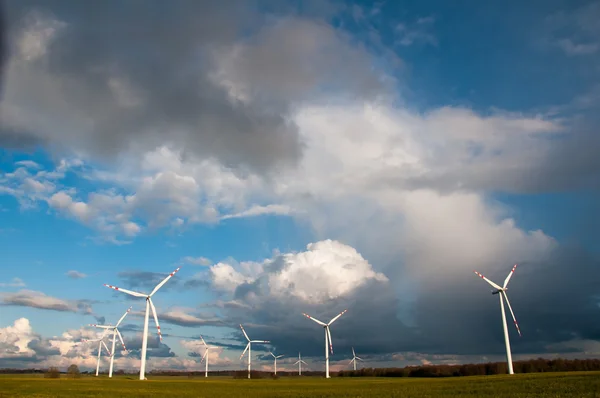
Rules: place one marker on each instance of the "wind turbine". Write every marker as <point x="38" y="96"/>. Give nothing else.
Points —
<point x="278" y="356"/>
<point x="354" y="358"/>
<point x="206" y="355"/>
<point x="327" y="337"/>
<point x="300" y="362"/>
<point x="114" y="339"/>
<point x="502" y="290"/>
<point x="249" y="348"/>
<point x="100" y="344"/>
<point x="149" y="305"/>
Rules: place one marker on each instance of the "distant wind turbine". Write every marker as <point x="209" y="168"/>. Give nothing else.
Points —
<point x="100" y="345"/>
<point x="278" y="356"/>
<point x="149" y="305"/>
<point x="502" y="293"/>
<point x="327" y="337"/>
<point x="300" y="362"/>
<point x="249" y="349"/>
<point x="354" y="358"/>
<point x="114" y="339"/>
<point x="206" y="355"/>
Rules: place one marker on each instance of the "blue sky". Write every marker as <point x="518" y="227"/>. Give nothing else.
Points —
<point x="300" y="157"/>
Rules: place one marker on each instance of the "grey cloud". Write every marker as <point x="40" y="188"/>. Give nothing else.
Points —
<point x="145" y="281"/>
<point x="155" y="347"/>
<point x="34" y="299"/>
<point x="88" y="91"/>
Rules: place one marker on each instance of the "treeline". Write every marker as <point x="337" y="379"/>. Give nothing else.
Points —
<point x="482" y="369"/>
<point x="492" y="368"/>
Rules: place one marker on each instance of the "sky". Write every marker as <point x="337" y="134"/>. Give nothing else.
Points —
<point x="299" y="157"/>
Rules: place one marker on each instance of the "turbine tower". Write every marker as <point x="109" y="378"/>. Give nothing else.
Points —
<point x="327" y="337"/>
<point x="278" y="356"/>
<point x="206" y="355"/>
<point x="249" y="349"/>
<point x="100" y="344"/>
<point x="114" y="339"/>
<point x="300" y="362"/>
<point x="354" y="358"/>
<point x="501" y="291"/>
<point x="149" y="305"/>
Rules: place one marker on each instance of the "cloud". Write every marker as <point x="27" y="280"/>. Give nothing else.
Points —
<point x="182" y="318"/>
<point x="16" y="282"/>
<point x="146" y="281"/>
<point x="196" y="349"/>
<point x="35" y="299"/>
<point x="76" y="274"/>
<point x="261" y="210"/>
<point x="203" y="261"/>
<point x="103" y="102"/>
<point x="575" y="31"/>
<point x="416" y="32"/>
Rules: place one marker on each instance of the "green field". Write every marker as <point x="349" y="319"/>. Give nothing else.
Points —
<point x="573" y="384"/>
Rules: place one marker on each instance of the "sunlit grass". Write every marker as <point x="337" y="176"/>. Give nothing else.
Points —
<point x="572" y="384"/>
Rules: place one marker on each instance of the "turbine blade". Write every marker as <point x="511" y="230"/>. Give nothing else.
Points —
<point x="101" y="326"/>
<point x="511" y="312"/>
<point x="512" y="271"/>
<point x="123" y="317"/>
<point x="247" y="338"/>
<point x="304" y="362"/>
<point x="203" y="342"/>
<point x="272" y="355"/>
<point x="314" y="319"/>
<point x="131" y="292"/>
<point x="121" y="338"/>
<point x="353" y="353"/>
<point x="330" y="341"/>
<point x="336" y="317"/>
<point x="279" y="356"/>
<point x="245" y="349"/>
<point x="164" y="281"/>
<point x="488" y="281"/>
<point x="204" y="356"/>
<point x="260" y="341"/>
<point x="155" y="318"/>
<point x="296" y="363"/>
<point x="359" y="358"/>
<point x="107" y="350"/>
<point x="352" y="360"/>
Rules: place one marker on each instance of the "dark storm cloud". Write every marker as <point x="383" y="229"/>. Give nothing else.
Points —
<point x="554" y="301"/>
<point x="155" y="347"/>
<point x="371" y="323"/>
<point x="118" y="76"/>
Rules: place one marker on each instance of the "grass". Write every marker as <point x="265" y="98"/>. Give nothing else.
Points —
<point x="572" y="384"/>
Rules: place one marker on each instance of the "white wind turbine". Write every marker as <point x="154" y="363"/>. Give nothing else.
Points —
<point x="278" y="356"/>
<point x="354" y="358"/>
<point x="300" y="362"/>
<point x="149" y="305"/>
<point x="502" y="293"/>
<point x="206" y="355"/>
<point x="100" y="344"/>
<point x="114" y="339"/>
<point x="327" y="337"/>
<point x="249" y="348"/>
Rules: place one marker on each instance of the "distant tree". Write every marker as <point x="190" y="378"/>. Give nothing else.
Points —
<point x="73" y="372"/>
<point x="52" y="373"/>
